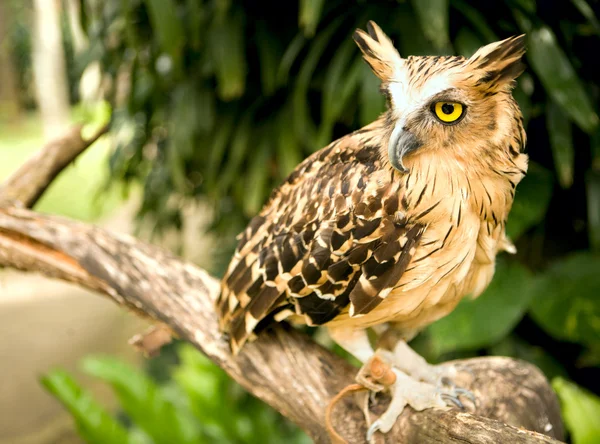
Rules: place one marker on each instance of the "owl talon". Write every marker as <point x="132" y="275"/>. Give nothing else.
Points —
<point x="455" y="392"/>
<point x="453" y="399"/>
<point x="378" y="374"/>
<point x="466" y="393"/>
<point x="374" y="428"/>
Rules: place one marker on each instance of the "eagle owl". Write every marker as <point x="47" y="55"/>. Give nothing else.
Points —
<point x="392" y="224"/>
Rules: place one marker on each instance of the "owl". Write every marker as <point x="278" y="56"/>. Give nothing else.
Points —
<point x="389" y="227"/>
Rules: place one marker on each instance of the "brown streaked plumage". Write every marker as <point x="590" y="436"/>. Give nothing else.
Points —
<point x="398" y="221"/>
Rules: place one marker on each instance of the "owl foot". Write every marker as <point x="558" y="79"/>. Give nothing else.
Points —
<point x="426" y="386"/>
<point x="410" y="362"/>
<point x="416" y="394"/>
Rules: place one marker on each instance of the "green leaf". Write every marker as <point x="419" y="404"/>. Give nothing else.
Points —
<point x="486" y="320"/>
<point x="561" y="141"/>
<point x="304" y="126"/>
<point x="143" y="83"/>
<point x="269" y="54"/>
<point x="222" y="7"/>
<point x="144" y="402"/>
<point x="334" y="76"/>
<point x="288" y="58"/>
<point x="587" y="11"/>
<point x="581" y="411"/>
<point x="353" y="77"/>
<point x="217" y="144"/>
<point x="193" y="112"/>
<point x="467" y="42"/>
<point x="595" y="141"/>
<point x="195" y="18"/>
<point x="236" y="153"/>
<point x="412" y="40"/>
<point x="531" y="200"/>
<point x="310" y="13"/>
<point x="433" y="16"/>
<point x="256" y="179"/>
<point x="477" y="19"/>
<point x="346" y="92"/>
<point x="592" y="182"/>
<point x="566" y="302"/>
<point x="201" y="378"/>
<point x="372" y="102"/>
<point x="216" y="399"/>
<point x="206" y="388"/>
<point x="558" y="76"/>
<point x="226" y="45"/>
<point x="167" y="25"/>
<point x="94" y="424"/>
<point x="289" y="154"/>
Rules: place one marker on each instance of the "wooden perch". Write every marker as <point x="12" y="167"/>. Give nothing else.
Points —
<point x="28" y="183"/>
<point x="283" y="367"/>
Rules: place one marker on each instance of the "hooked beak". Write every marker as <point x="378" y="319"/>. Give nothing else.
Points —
<point x="401" y="143"/>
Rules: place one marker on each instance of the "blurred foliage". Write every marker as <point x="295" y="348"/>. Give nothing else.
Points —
<point x="199" y="404"/>
<point x="581" y="410"/>
<point x="220" y="100"/>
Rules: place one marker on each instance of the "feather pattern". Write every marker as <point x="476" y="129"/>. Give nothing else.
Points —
<point x="330" y="239"/>
<point x="349" y="241"/>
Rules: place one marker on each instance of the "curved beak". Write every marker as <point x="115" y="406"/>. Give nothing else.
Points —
<point x="401" y="143"/>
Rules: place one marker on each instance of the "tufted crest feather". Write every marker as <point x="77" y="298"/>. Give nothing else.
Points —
<point x="378" y="51"/>
<point x="498" y="64"/>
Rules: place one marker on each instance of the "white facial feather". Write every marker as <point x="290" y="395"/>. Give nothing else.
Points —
<point x="406" y="98"/>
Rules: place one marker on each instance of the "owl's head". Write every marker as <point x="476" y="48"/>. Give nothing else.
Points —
<point x="448" y="103"/>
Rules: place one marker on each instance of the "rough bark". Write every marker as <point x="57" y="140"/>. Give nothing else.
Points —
<point x="283" y="367"/>
<point x="28" y="183"/>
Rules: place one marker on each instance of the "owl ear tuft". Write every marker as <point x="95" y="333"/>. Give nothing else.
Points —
<point x="378" y="51"/>
<point x="499" y="63"/>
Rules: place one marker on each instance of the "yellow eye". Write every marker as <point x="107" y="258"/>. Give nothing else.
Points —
<point x="448" y="112"/>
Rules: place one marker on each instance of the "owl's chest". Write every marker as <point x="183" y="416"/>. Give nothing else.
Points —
<point x="455" y="258"/>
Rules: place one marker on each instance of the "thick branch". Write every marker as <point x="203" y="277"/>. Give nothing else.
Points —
<point x="283" y="367"/>
<point x="29" y="182"/>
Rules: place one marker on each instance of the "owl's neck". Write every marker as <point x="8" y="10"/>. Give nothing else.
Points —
<point x="450" y="187"/>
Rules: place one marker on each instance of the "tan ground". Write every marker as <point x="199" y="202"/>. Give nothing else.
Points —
<point x="46" y="324"/>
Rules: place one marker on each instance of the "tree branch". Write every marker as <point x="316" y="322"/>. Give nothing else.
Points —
<point x="283" y="367"/>
<point x="28" y="183"/>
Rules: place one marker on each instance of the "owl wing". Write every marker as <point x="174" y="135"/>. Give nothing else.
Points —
<point x="331" y="238"/>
